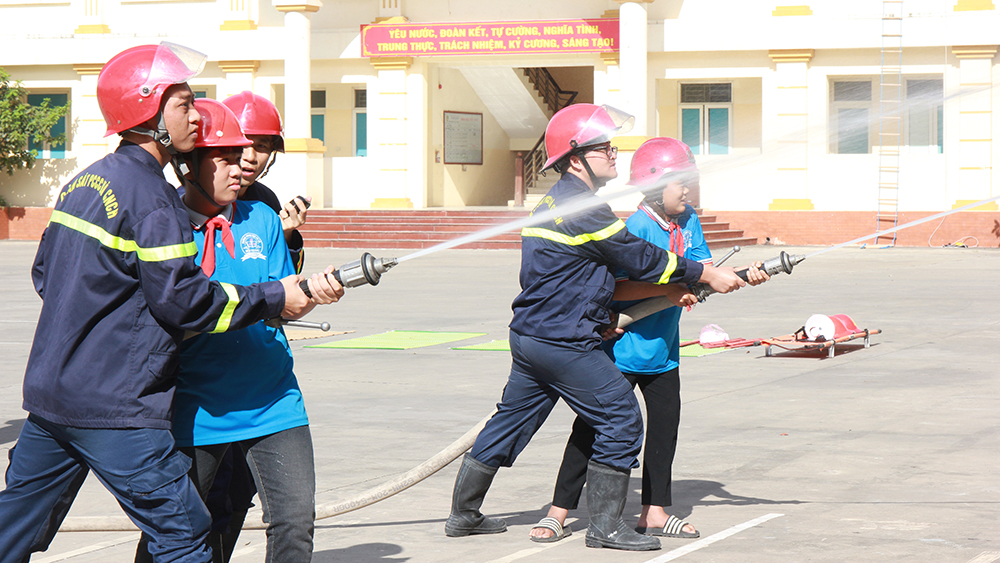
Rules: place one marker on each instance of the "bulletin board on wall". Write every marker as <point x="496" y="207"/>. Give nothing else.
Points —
<point x="463" y="137"/>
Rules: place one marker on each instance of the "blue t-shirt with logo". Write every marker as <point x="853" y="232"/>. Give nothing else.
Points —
<point x="239" y="385"/>
<point x="652" y="345"/>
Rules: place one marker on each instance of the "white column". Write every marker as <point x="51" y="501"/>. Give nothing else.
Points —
<point x="787" y="124"/>
<point x="975" y="131"/>
<point x="417" y="101"/>
<point x="388" y="138"/>
<point x="303" y="161"/>
<point x="633" y="24"/>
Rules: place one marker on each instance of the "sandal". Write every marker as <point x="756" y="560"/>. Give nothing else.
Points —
<point x="558" y="531"/>
<point x="674" y="528"/>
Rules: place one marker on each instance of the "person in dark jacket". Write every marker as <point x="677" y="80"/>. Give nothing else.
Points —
<point x="262" y="125"/>
<point x="567" y="282"/>
<point x="119" y="285"/>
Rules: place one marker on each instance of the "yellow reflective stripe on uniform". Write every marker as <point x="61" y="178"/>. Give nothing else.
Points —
<point x="671" y="268"/>
<point x="155" y="254"/>
<point x="563" y="238"/>
<point x="227" y="314"/>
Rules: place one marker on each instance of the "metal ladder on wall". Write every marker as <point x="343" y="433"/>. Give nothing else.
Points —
<point x="890" y="129"/>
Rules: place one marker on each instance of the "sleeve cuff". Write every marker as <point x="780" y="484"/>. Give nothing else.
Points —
<point x="274" y="296"/>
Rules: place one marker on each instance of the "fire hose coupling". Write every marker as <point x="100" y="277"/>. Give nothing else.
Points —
<point x="367" y="270"/>
<point x="782" y="263"/>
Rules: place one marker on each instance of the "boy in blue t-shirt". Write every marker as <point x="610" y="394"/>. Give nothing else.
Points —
<point x="238" y="389"/>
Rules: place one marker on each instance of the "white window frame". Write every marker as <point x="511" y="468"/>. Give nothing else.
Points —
<point x="703" y="126"/>
<point x="354" y="125"/>
<point x="934" y="143"/>
<point x="871" y="105"/>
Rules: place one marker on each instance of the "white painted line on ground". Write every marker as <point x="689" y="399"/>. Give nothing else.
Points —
<point x="670" y="556"/>
<point x="133" y="539"/>
<point x="542" y="547"/>
<point x="986" y="557"/>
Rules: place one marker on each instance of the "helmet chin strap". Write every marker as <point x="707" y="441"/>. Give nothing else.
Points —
<point x="594" y="181"/>
<point x="597" y="183"/>
<point x="160" y="135"/>
<point x="181" y="169"/>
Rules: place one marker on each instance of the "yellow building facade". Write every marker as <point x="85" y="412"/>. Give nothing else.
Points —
<point x="784" y="104"/>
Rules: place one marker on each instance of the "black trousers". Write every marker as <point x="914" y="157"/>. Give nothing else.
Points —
<point x="662" y="395"/>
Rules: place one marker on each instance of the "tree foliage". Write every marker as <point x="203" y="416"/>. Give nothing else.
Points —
<point x="20" y="122"/>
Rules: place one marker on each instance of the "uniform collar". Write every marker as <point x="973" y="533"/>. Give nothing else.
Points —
<point x="572" y="183"/>
<point x="132" y="150"/>
<point x="198" y="220"/>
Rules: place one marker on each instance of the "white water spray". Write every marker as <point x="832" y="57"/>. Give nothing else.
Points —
<point x="904" y="226"/>
<point x="821" y="132"/>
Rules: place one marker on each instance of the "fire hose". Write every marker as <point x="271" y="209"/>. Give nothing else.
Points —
<point x="326" y="510"/>
<point x="368" y="270"/>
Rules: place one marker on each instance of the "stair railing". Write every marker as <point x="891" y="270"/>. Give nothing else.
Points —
<point x="555" y="97"/>
<point x="533" y="163"/>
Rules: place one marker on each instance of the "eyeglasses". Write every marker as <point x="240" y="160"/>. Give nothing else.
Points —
<point x="608" y="150"/>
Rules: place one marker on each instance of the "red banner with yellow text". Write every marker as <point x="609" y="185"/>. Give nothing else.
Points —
<point x="489" y="38"/>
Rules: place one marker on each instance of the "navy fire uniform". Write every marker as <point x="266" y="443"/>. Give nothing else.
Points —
<point x="567" y="285"/>
<point x="116" y="272"/>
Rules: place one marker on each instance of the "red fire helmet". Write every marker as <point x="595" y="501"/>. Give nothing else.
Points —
<point x="581" y="125"/>
<point x="257" y="116"/>
<point x="219" y="126"/>
<point x="132" y="83"/>
<point x="658" y="157"/>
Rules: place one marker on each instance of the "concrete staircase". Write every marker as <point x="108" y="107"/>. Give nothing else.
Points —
<point x="424" y="228"/>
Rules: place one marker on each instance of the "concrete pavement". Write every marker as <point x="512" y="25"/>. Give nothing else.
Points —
<point x="884" y="454"/>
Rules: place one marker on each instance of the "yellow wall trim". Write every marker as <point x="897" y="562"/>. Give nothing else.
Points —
<point x="791" y="205"/>
<point x="238" y="25"/>
<point x="629" y="143"/>
<point x="392" y="63"/>
<point x="974" y="51"/>
<point x="792" y="11"/>
<point x="297" y="8"/>
<point x="791" y="55"/>
<point x="991" y="206"/>
<point x="610" y="59"/>
<point x="307" y="145"/>
<point x="97" y="29"/>
<point x="393" y="19"/>
<point x="392" y="203"/>
<point x="239" y="66"/>
<point x="611" y="14"/>
<point x="84" y="69"/>
<point x="974" y="5"/>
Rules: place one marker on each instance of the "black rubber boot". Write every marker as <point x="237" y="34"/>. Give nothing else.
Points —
<point x="606" y="490"/>
<point x="471" y="484"/>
